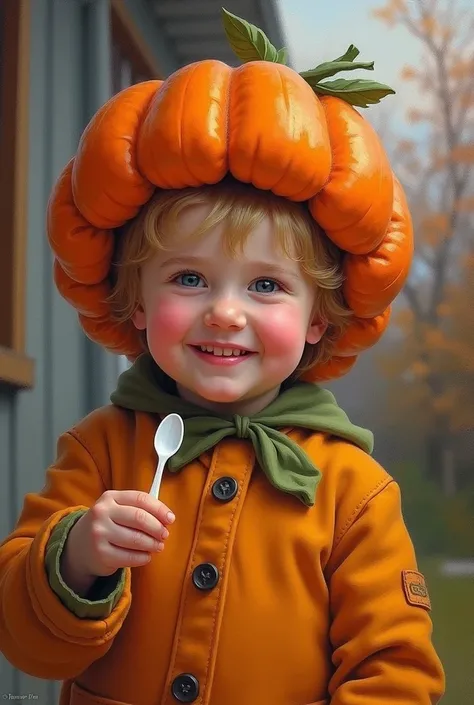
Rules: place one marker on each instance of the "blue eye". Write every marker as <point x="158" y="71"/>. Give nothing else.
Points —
<point x="265" y="286"/>
<point x="189" y="279"/>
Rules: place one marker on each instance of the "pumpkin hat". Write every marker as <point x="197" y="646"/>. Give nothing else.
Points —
<point x="297" y="135"/>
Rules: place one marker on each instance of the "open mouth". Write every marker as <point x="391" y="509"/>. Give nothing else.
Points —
<point x="216" y="351"/>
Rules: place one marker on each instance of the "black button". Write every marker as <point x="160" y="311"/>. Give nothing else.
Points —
<point x="224" y="489"/>
<point x="185" y="688"/>
<point x="205" y="576"/>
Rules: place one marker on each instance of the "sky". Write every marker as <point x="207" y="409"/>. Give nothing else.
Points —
<point x="318" y="30"/>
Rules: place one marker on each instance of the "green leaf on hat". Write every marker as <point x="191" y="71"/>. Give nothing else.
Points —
<point x="248" y="42"/>
<point x="351" y="54"/>
<point x="282" y="57"/>
<point x="330" y="68"/>
<point x="358" y="92"/>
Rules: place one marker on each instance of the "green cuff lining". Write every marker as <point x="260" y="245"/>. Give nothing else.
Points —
<point x="104" y="593"/>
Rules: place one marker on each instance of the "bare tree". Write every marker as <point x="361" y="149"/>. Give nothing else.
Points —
<point x="437" y="170"/>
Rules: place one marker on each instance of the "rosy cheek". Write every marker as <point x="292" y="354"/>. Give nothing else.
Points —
<point x="170" y="318"/>
<point x="281" y="330"/>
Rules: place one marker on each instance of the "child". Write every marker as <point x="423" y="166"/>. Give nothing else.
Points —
<point x="275" y="568"/>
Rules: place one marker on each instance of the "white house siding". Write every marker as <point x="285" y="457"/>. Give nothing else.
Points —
<point x="71" y="51"/>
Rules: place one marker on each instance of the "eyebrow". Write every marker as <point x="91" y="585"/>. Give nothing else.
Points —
<point x="268" y="267"/>
<point x="275" y="268"/>
<point x="183" y="261"/>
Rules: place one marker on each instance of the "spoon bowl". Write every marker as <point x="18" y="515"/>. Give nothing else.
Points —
<point x="168" y="439"/>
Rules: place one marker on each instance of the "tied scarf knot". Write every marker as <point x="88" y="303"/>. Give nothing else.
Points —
<point x="241" y="424"/>
<point x="146" y="388"/>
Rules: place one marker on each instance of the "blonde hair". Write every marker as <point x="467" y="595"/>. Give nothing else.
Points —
<point x="242" y="208"/>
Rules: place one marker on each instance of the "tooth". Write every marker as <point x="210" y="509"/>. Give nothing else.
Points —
<point x="226" y="352"/>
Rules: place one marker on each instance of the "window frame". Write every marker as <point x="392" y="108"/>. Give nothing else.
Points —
<point x="134" y="49"/>
<point x="16" y="368"/>
<point x="127" y="36"/>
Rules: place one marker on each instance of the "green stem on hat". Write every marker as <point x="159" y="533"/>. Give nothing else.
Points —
<point x="250" y="43"/>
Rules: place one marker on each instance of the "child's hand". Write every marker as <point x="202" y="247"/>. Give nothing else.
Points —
<point x="122" y="529"/>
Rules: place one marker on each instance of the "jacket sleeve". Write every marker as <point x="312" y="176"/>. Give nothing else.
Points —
<point x="381" y="627"/>
<point x="39" y="635"/>
<point x="104" y="593"/>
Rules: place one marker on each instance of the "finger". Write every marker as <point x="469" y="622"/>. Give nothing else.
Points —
<point x="134" y="540"/>
<point x="145" y="501"/>
<point x="138" y="519"/>
<point x="116" y="557"/>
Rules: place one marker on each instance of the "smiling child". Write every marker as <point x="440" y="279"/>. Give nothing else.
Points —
<point x="239" y="234"/>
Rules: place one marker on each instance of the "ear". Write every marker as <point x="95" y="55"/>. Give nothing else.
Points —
<point x="139" y="318"/>
<point x="316" y="330"/>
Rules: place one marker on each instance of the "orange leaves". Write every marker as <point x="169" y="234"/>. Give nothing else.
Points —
<point x="409" y="73"/>
<point x="390" y="13"/>
<point x="385" y="14"/>
<point x="415" y="115"/>
<point x="419" y="369"/>
<point x="438" y="159"/>
<point x="444" y="310"/>
<point x="463" y="153"/>
<point x="432" y="27"/>
<point x="460" y="345"/>
<point x="405" y="147"/>
<point x="466" y="99"/>
<point x="424" y="23"/>
<point x="405" y="320"/>
<point x="434" y="338"/>
<point x="461" y="69"/>
<point x="437" y="221"/>
<point x="433" y="357"/>
<point x="443" y="404"/>
<point x="468" y="264"/>
<point x="425" y="80"/>
<point x="442" y="351"/>
<point x="429" y="25"/>
<point x="399" y="5"/>
<point x="466" y="204"/>
<point x="434" y="228"/>
<point x="446" y="34"/>
<point x="461" y="357"/>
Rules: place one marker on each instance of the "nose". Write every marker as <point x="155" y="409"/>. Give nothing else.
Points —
<point x="226" y="314"/>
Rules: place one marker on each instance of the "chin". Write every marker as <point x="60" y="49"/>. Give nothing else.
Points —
<point x="219" y="396"/>
<point x="219" y="393"/>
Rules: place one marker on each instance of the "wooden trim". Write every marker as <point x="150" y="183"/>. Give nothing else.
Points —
<point x="16" y="370"/>
<point x="14" y="128"/>
<point x="127" y="34"/>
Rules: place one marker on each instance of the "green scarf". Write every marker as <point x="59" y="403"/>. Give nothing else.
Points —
<point x="144" y="387"/>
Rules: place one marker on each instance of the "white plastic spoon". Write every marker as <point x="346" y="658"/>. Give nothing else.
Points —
<point x="168" y="439"/>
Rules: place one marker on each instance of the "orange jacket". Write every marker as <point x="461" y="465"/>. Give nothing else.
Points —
<point x="312" y="605"/>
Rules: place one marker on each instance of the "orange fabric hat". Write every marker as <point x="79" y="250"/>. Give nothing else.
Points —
<point x="294" y="134"/>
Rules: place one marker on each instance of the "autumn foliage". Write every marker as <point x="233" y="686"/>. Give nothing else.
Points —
<point x="432" y="362"/>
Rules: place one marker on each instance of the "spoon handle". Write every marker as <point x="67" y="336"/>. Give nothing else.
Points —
<point x="155" y="488"/>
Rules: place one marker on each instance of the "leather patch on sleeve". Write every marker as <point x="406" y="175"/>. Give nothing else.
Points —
<point x="415" y="589"/>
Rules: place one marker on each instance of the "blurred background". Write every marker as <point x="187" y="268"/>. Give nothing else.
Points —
<point x="61" y="59"/>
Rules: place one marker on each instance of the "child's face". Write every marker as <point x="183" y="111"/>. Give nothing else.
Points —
<point x="202" y="309"/>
